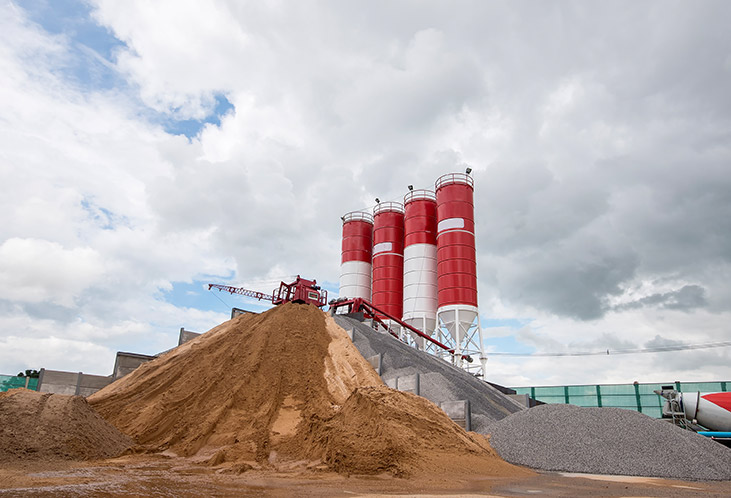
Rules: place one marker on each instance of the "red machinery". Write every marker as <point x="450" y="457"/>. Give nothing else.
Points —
<point x="360" y="305"/>
<point x="299" y="291"/>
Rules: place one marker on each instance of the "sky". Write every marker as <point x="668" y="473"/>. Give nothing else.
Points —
<point x="150" y="148"/>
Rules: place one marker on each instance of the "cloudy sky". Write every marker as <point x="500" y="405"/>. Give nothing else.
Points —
<point x="149" y="148"/>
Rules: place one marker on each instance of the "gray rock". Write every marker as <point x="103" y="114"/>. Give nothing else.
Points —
<point x="607" y="441"/>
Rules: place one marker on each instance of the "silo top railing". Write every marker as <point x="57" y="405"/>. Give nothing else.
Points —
<point x="451" y="178"/>
<point x="418" y="195"/>
<point x="358" y="216"/>
<point x="388" y="207"/>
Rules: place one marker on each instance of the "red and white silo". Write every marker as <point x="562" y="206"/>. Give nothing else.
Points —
<point x="420" y="262"/>
<point x="357" y="250"/>
<point x="388" y="257"/>
<point x="457" y="315"/>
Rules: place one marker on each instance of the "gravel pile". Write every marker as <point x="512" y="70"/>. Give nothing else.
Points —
<point x="439" y="380"/>
<point x="607" y="441"/>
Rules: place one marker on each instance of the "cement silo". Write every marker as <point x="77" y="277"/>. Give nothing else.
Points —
<point x="457" y="315"/>
<point x="388" y="257"/>
<point x="357" y="251"/>
<point x="420" y="262"/>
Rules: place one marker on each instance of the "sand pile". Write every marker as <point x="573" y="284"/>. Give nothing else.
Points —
<point x="38" y="426"/>
<point x="271" y="389"/>
<point x="607" y="441"/>
<point x="383" y="430"/>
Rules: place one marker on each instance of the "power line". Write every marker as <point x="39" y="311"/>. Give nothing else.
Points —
<point x="656" y="349"/>
<point x="217" y="297"/>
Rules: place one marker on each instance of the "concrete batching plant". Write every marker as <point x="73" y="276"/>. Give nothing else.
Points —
<point x="417" y="262"/>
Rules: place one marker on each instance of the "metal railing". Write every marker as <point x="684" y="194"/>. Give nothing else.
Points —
<point x="358" y="216"/>
<point x="388" y="207"/>
<point x="420" y="195"/>
<point x="451" y="178"/>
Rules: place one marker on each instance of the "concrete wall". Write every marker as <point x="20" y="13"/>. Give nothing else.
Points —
<point x="240" y="311"/>
<point x="89" y="384"/>
<point x="74" y="383"/>
<point x="459" y="411"/>
<point x="126" y="363"/>
<point x="186" y="335"/>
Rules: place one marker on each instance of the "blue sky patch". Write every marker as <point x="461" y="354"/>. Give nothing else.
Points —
<point x="191" y="127"/>
<point x="196" y="295"/>
<point x="102" y="217"/>
<point x="91" y="46"/>
<point x="90" y="64"/>
<point x="505" y="344"/>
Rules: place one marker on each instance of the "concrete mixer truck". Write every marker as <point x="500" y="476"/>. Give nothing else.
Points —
<point x="698" y="411"/>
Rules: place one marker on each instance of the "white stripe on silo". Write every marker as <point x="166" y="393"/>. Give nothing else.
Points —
<point x="355" y="279"/>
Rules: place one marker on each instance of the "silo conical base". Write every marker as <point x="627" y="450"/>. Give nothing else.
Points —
<point x="458" y="327"/>
<point x="424" y="324"/>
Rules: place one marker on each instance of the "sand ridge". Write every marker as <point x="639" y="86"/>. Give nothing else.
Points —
<point x="286" y="387"/>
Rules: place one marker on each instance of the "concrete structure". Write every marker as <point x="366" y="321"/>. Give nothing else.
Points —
<point x="357" y="251"/>
<point x="74" y="383"/>
<point x="408" y="383"/>
<point x="375" y="361"/>
<point x="459" y="411"/>
<point x="420" y="263"/>
<point x="125" y="363"/>
<point x="458" y="321"/>
<point x="438" y="381"/>
<point x="187" y="335"/>
<point x="388" y="260"/>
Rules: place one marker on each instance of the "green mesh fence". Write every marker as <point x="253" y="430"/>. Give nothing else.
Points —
<point x="11" y="382"/>
<point x="639" y="397"/>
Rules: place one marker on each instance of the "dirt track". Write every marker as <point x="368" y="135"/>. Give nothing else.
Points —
<point x="155" y="475"/>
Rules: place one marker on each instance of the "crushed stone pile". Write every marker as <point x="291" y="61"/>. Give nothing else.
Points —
<point x="280" y="389"/>
<point x="439" y="380"/>
<point x="44" y="426"/>
<point x="607" y="441"/>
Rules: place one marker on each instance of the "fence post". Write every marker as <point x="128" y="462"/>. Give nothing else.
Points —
<point x="598" y="396"/>
<point x="637" y="397"/>
<point x="566" y="394"/>
<point x="40" y="379"/>
<point x="78" y="383"/>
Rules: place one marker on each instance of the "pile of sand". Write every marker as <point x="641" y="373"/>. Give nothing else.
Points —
<point x="281" y="387"/>
<point x="383" y="430"/>
<point x="38" y="426"/>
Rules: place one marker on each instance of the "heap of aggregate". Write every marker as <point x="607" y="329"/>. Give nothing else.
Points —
<point x="439" y="381"/>
<point x="607" y="441"/>
<point x="283" y="390"/>
<point x="43" y="426"/>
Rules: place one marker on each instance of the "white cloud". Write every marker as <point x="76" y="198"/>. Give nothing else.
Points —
<point x="599" y="140"/>
<point x="35" y="271"/>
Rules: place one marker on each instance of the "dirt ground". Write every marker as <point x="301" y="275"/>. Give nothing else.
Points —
<point x="156" y="475"/>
